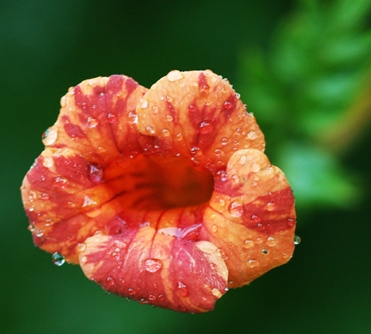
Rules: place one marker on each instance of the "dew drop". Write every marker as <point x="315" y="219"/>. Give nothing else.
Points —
<point x="249" y="243"/>
<point x="49" y="136"/>
<point x="153" y="265"/>
<point x="297" y="240"/>
<point x="222" y="175"/>
<point x="133" y="117"/>
<point x="81" y="247"/>
<point x="192" y="108"/>
<point x="271" y="241"/>
<point x="58" y="259"/>
<point x="243" y="160"/>
<point x="252" y="135"/>
<point x="60" y="181"/>
<point x="39" y="233"/>
<point x="150" y="129"/>
<point x="218" y="152"/>
<point x="169" y="118"/>
<point x="182" y="289"/>
<point x="255" y="167"/>
<point x="88" y="202"/>
<point x="154" y="109"/>
<point x="111" y="118"/>
<point x="169" y="99"/>
<point x="91" y="122"/>
<point x="252" y="262"/>
<point x="48" y="162"/>
<point x="256" y="219"/>
<point x="194" y="150"/>
<point x="179" y="136"/>
<point x="143" y="103"/>
<point x="205" y="127"/>
<point x="95" y="173"/>
<point x="131" y="292"/>
<point x="227" y="105"/>
<point x="165" y="132"/>
<point x="151" y="298"/>
<point x="174" y="75"/>
<point x="235" y="208"/>
<point x="214" y="228"/>
<point x="290" y="222"/>
<point x="270" y="206"/>
<point x="45" y="196"/>
<point x="235" y="178"/>
<point x="224" y="141"/>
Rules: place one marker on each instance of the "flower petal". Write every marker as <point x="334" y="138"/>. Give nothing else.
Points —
<point x="156" y="268"/>
<point x="198" y="115"/>
<point x="251" y="217"/>
<point x="70" y="183"/>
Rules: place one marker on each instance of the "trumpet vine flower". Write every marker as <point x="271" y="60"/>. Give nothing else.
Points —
<point x="161" y="195"/>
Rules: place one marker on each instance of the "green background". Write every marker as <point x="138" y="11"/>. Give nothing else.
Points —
<point x="48" y="46"/>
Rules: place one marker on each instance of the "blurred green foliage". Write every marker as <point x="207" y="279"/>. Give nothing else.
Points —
<point x="303" y="68"/>
<point x="306" y="86"/>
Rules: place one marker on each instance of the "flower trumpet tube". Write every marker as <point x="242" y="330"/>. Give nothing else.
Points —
<point x="161" y="195"/>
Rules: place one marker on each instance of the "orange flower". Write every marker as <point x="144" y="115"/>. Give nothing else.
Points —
<point x="163" y="195"/>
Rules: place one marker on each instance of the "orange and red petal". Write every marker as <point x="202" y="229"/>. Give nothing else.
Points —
<point x="155" y="268"/>
<point x="200" y="116"/>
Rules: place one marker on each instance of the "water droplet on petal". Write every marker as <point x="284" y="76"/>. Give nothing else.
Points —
<point x="153" y="265"/>
<point x="81" y="247"/>
<point x="235" y="208"/>
<point x="218" y="152"/>
<point x="182" y="289"/>
<point x="214" y="228"/>
<point x="95" y="173"/>
<point x="49" y="136"/>
<point x="249" y="243"/>
<point x="45" y="196"/>
<point x="174" y="75"/>
<point x="205" y="127"/>
<point x="143" y="103"/>
<point x="271" y="241"/>
<point x="255" y="167"/>
<point x="111" y="118"/>
<point x="131" y="292"/>
<point x="48" y="162"/>
<point x="150" y="129"/>
<point x="88" y="202"/>
<point x="270" y="206"/>
<point x="169" y="118"/>
<point x="91" y="122"/>
<point x="252" y="262"/>
<point x="60" y="181"/>
<point x="224" y="141"/>
<point x="297" y="240"/>
<point x="151" y="298"/>
<point x="39" y="233"/>
<point x="228" y="105"/>
<point x="252" y="135"/>
<point x="58" y="259"/>
<point x="165" y="132"/>
<point x="243" y="160"/>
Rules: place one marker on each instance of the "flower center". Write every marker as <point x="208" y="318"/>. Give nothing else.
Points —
<point x="161" y="182"/>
